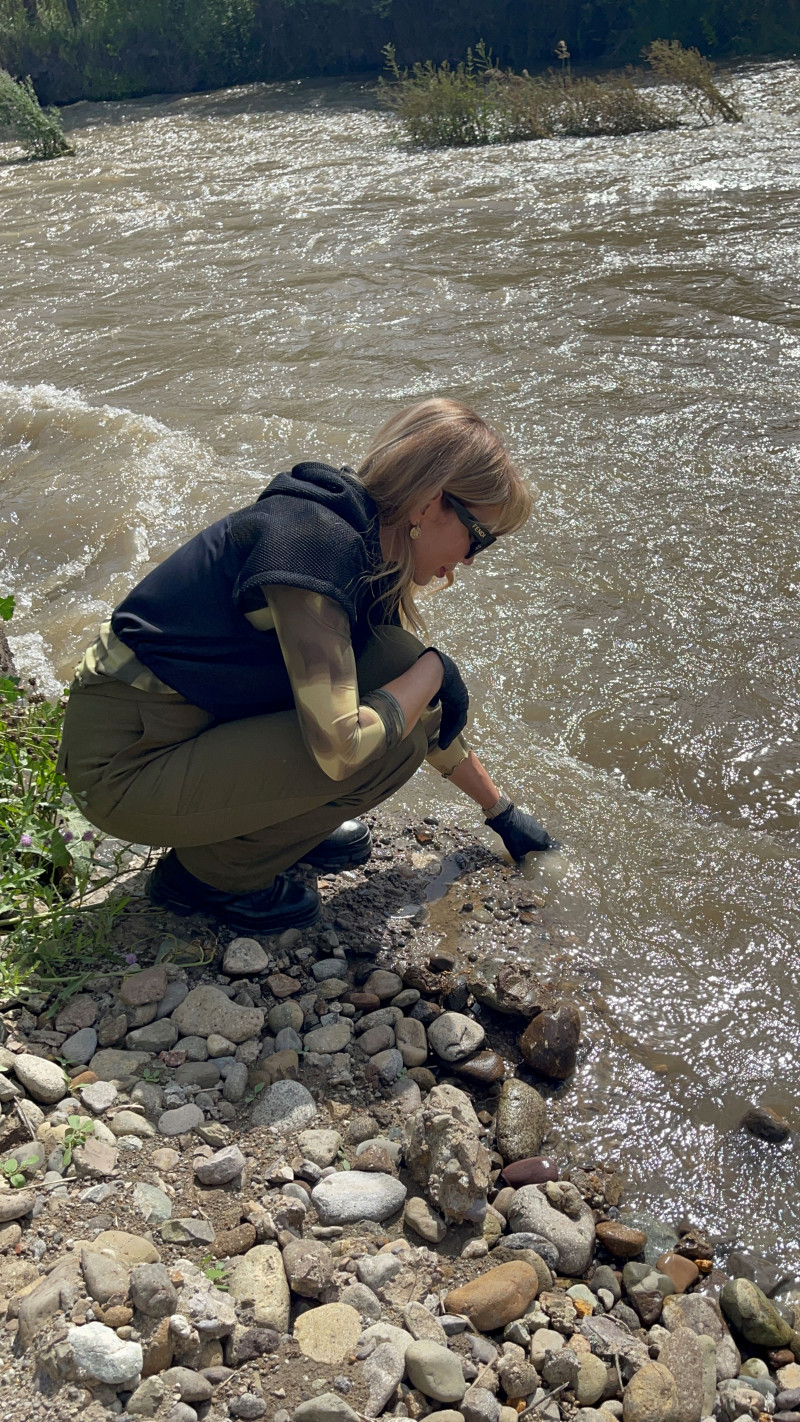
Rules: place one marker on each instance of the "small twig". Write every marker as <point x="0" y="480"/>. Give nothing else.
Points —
<point x="20" y="1110"/>
<point x="534" y="1407"/>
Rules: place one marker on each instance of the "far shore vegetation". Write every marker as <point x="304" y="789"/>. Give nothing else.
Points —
<point x="475" y="102"/>
<point x="38" y="131"/>
<point x="115" y="49"/>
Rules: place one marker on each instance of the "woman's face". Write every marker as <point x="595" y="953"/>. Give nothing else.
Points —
<point x="443" y="540"/>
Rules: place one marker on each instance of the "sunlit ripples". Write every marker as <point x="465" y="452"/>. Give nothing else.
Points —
<point x="221" y="283"/>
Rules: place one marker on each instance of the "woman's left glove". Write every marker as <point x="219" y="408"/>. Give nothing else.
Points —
<point x="521" y="833"/>
<point x="454" y="697"/>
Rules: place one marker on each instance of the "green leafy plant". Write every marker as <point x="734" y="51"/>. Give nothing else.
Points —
<point x="77" y="1134"/>
<point x="254" y="1091"/>
<point x="38" y="130"/>
<point x="55" y="922"/>
<point x="477" y="103"/>
<point x="13" y="1170"/>
<point x="152" y="1074"/>
<point x="216" y="1272"/>
<point x="694" y="76"/>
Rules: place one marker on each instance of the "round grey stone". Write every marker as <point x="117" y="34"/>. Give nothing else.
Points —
<point x="80" y="1047"/>
<point x="152" y="1290"/>
<point x="335" y="1038"/>
<point x="285" y="1014"/>
<point x="180" y="1120"/>
<point x="157" y="1036"/>
<point x="435" y="1371"/>
<point x="455" y="1037"/>
<point x="43" y="1080"/>
<point x="235" y="1086"/>
<point x="244" y="956"/>
<point x="327" y="968"/>
<point x="351" y="1195"/>
<point x="286" y="1105"/>
<point x="221" y="1168"/>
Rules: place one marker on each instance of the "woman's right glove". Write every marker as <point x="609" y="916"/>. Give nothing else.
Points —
<point x="520" y="833"/>
<point x="454" y="697"/>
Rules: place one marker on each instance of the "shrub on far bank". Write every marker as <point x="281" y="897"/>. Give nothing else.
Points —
<point x="38" y="130"/>
<point x="694" y="75"/>
<point x="476" y="103"/>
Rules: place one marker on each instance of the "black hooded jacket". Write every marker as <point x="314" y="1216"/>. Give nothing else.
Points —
<point x="315" y="528"/>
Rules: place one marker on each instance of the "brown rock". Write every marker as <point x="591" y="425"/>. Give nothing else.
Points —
<point x="95" y="1159"/>
<point x="157" y="1349"/>
<point x="79" y="1012"/>
<point x="281" y="985"/>
<point x="780" y="1357"/>
<point x="550" y="1041"/>
<point x="15" y="1203"/>
<point x="83" y="1078"/>
<point x="532" y="1171"/>
<point x="765" y="1123"/>
<point x="139" y="989"/>
<point x="281" y="1066"/>
<point x="694" y="1245"/>
<point x="651" y="1394"/>
<point x="488" y="1066"/>
<point x="364" y="1001"/>
<point x="377" y="1158"/>
<point x="496" y="1297"/>
<point x="112" y="1030"/>
<point x="423" y="1076"/>
<point x="620" y="1240"/>
<point x="116" y="1316"/>
<point x="230" y="1242"/>
<point x="682" y="1272"/>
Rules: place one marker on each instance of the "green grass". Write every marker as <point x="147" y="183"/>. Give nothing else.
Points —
<point x="38" y="130"/>
<point x="55" y="918"/>
<point x="476" y="103"/>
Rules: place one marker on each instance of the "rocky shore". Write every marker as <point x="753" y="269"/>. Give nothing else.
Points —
<point x="317" y="1179"/>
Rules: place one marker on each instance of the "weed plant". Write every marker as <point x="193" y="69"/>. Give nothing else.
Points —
<point x="476" y="103"/>
<point x="694" y="76"/>
<point x="53" y="930"/>
<point x="38" y="130"/>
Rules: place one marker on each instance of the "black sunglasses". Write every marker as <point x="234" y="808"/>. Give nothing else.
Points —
<point x="479" y="535"/>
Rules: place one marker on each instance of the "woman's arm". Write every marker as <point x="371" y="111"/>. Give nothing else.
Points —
<point x="341" y="732"/>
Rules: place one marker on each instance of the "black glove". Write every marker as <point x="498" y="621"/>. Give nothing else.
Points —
<point x="454" y="698"/>
<point x="521" y="833"/>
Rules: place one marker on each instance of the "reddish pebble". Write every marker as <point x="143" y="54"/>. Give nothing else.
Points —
<point x="780" y="1357"/>
<point x="366" y="1001"/>
<point x="281" y="985"/>
<point x="682" y="1272"/>
<point x="620" y="1240"/>
<point x="532" y="1171"/>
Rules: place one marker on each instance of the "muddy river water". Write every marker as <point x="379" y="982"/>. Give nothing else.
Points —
<point x="220" y="284"/>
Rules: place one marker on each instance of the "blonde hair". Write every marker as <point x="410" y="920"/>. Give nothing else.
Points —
<point x="429" y="447"/>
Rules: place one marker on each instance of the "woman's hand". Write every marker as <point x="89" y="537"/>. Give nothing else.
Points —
<point x="520" y="832"/>
<point x="454" y="699"/>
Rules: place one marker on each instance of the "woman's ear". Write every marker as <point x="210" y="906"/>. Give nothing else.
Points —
<point x="431" y="506"/>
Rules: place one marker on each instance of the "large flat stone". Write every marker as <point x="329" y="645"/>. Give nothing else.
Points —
<point x="206" y="1010"/>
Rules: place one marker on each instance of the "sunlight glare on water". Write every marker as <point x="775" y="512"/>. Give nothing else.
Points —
<point x="220" y="284"/>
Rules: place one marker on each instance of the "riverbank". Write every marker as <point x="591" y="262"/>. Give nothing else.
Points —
<point x="312" y="1179"/>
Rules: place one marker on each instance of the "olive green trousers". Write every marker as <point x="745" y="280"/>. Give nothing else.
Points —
<point x="238" y="800"/>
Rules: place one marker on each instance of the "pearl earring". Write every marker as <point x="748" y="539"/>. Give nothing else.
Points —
<point x="414" y="531"/>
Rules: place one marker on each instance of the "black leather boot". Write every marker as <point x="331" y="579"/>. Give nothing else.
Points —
<point x="347" y="846"/>
<point x="287" y="904"/>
